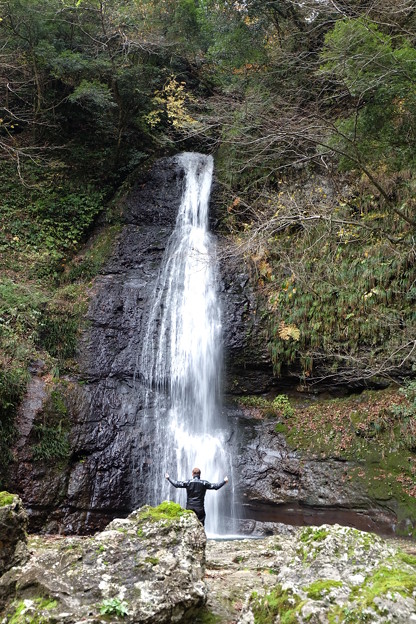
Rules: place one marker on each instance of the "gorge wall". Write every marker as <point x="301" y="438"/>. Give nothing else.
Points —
<point x="111" y="437"/>
<point x="111" y="434"/>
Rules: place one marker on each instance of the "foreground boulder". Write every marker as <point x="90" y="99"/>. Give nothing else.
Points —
<point x="146" y="568"/>
<point x="315" y="575"/>
<point x="13" y="525"/>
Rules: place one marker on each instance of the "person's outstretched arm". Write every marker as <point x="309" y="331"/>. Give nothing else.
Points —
<point x="177" y="484"/>
<point x="216" y="486"/>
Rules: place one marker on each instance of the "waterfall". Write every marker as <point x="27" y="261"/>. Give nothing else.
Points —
<point x="181" y="359"/>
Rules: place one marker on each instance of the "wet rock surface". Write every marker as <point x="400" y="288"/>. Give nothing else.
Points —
<point x="112" y="437"/>
<point x="141" y="569"/>
<point x="277" y="484"/>
<point x="13" y="526"/>
<point x="247" y="365"/>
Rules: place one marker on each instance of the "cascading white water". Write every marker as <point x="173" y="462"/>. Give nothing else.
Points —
<point x="181" y="359"/>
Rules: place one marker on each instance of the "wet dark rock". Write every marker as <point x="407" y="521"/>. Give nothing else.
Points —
<point x="247" y="364"/>
<point x="112" y="443"/>
<point x="277" y="484"/>
<point x="13" y="526"/>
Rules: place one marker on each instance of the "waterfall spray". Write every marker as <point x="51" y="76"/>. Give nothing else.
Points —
<point x="181" y="359"/>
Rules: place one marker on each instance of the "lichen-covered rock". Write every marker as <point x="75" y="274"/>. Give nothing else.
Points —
<point x="13" y="525"/>
<point x="331" y="574"/>
<point x="147" y="568"/>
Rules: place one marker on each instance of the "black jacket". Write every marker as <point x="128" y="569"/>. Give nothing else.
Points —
<point x="195" y="490"/>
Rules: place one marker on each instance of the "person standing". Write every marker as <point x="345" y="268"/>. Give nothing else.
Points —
<point x="195" y="492"/>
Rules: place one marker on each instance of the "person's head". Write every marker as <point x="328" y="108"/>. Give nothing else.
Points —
<point x="196" y="473"/>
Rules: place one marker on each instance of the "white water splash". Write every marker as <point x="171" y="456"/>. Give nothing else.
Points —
<point x="181" y="359"/>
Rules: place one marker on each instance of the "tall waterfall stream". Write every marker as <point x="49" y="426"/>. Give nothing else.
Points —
<point x="181" y="359"/>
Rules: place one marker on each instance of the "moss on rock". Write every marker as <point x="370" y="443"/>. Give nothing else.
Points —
<point x="165" y="511"/>
<point x="279" y="602"/>
<point x="6" y="499"/>
<point x="320" y="588"/>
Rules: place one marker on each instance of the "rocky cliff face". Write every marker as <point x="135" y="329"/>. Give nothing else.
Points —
<point x="13" y="526"/>
<point x="111" y="439"/>
<point x="277" y="484"/>
<point x="111" y="436"/>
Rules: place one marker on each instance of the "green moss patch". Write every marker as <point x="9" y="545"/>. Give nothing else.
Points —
<point x="320" y="588"/>
<point x="6" y="499"/>
<point x="165" y="511"/>
<point x="30" y="611"/>
<point x="279" y="602"/>
<point x="407" y="558"/>
<point x="387" y="580"/>
<point x="310" y="534"/>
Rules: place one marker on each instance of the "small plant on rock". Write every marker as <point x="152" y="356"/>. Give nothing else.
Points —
<point x="282" y="403"/>
<point x="114" y="606"/>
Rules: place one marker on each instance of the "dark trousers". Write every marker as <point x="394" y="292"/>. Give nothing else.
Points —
<point x="200" y="512"/>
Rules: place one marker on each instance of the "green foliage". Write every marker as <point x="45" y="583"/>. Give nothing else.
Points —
<point x="61" y="322"/>
<point x="13" y="380"/>
<point x="53" y="443"/>
<point x="347" y="300"/>
<point x="405" y="413"/>
<point x="50" y="433"/>
<point x="407" y="408"/>
<point x="19" y="315"/>
<point x="58" y="334"/>
<point x="6" y="499"/>
<point x="44" y="223"/>
<point x="93" y="96"/>
<point x="12" y="386"/>
<point x="165" y="511"/>
<point x="114" y="606"/>
<point x="254" y="401"/>
<point x="20" y="310"/>
<point x="87" y="265"/>
<point x="280" y="405"/>
<point x="64" y="218"/>
<point x="379" y="72"/>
